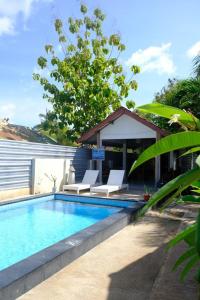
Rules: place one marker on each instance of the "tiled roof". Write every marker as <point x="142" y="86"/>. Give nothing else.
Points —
<point x="22" y="133"/>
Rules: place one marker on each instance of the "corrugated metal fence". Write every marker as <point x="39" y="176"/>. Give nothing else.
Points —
<point x="16" y="161"/>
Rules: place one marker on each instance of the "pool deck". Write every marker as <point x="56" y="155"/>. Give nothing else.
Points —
<point x="135" y="193"/>
<point x="130" y="265"/>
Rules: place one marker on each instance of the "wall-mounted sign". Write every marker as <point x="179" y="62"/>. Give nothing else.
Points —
<point x="98" y="154"/>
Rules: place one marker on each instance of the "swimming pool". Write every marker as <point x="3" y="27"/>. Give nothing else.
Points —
<point x="28" y="227"/>
<point x="44" y="234"/>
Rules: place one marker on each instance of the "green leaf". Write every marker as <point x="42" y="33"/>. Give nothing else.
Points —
<point x="48" y="48"/>
<point x="196" y="191"/>
<point x="172" y="198"/>
<point x="130" y="104"/>
<point x="190" y="198"/>
<point x="187" y="254"/>
<point x="42" y="62"/>
<point x="192" y="262"/>
<point x="179" y="183"/>
<point x="58" y="26"/>
<point x="192" y="150"/>
<point x="196" y="184"/>
<point x="173" y="142"/>
<point x="182" y="236"/>
<point x="133" y="85"/>
<point x="83" y="9"/>
<point x="135" y="69"/>
<point x="169" y="111"/>
<point x="190" y="239"/>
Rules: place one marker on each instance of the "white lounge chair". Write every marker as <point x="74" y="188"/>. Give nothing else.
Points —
<point x="115" y="183"/>
<point x="88" y="181"/>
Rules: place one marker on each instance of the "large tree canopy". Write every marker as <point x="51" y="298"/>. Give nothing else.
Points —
<point x="88" y="82"/>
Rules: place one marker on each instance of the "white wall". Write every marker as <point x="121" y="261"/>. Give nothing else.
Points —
<point x="126" y="127"/>
<point x="43" y="167"/>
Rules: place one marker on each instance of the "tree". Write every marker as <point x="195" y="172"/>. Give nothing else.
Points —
<point x="183" y="94"/>
<point x="88" y="82"/>
<point x="174" y="189"/>
<point x="50" y="128"/>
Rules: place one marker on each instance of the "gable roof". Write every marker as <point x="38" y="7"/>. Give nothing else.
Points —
<point x="114" y="116"/>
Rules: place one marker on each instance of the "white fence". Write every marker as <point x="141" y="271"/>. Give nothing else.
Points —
<point x="16" y="161"/>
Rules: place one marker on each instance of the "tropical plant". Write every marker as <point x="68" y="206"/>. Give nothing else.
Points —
<point x="184" y="94"/>
<point x="173" y="190"/>
<point x="85" y="80"/>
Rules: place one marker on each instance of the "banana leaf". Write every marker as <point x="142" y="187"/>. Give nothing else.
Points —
<point x="190" y="199"/>
<point x="186" y="255"/>
<point x="192" y="150"/>
<point x="191" y="263"/>
<point x="168" y="112"/>
<point x="196" y="191"/>
<point x="196" y="184"/>
<point x="180" y="183"/>
<point x="183" y="236"/>
<point x="172" y="142"/>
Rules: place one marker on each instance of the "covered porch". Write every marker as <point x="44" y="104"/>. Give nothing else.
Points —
<point x="124" y="135"/>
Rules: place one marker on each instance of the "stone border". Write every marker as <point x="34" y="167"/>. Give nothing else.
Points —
<point x="24" y="275"/>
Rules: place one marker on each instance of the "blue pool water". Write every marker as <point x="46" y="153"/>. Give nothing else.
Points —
<point x="30" y="226"/>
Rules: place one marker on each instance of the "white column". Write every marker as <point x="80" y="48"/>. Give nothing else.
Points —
<point x="124" y="156"/>
<point x="157" y="164"/>
<point x="99" y="162"/>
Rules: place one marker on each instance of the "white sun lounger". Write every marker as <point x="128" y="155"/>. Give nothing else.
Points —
<point x="115" y="183"/>
<point x="88" y="181"/>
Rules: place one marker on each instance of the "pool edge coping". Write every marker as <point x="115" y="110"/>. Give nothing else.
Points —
<point x="31" y="197"/>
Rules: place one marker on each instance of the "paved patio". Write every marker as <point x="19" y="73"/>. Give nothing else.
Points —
<point x="124" y="267"/>
<point x="135" y="192"/>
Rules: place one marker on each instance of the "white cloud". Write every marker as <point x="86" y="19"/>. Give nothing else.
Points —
<point x="11" y="9"/>
<point x="194" y="50"/>
<point x="24" y="110"/>
<point x="6" y="26"/>
<point x="14" y="7"/>
<point x="7" y="110"/>
<point x="153" y="59"/>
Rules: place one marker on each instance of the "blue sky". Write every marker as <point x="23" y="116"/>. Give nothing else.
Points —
<point x="160" y="36"/>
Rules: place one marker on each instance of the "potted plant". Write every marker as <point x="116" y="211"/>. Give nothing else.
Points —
<point x="147" y="194"/>
<point x="53" y="179"/>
